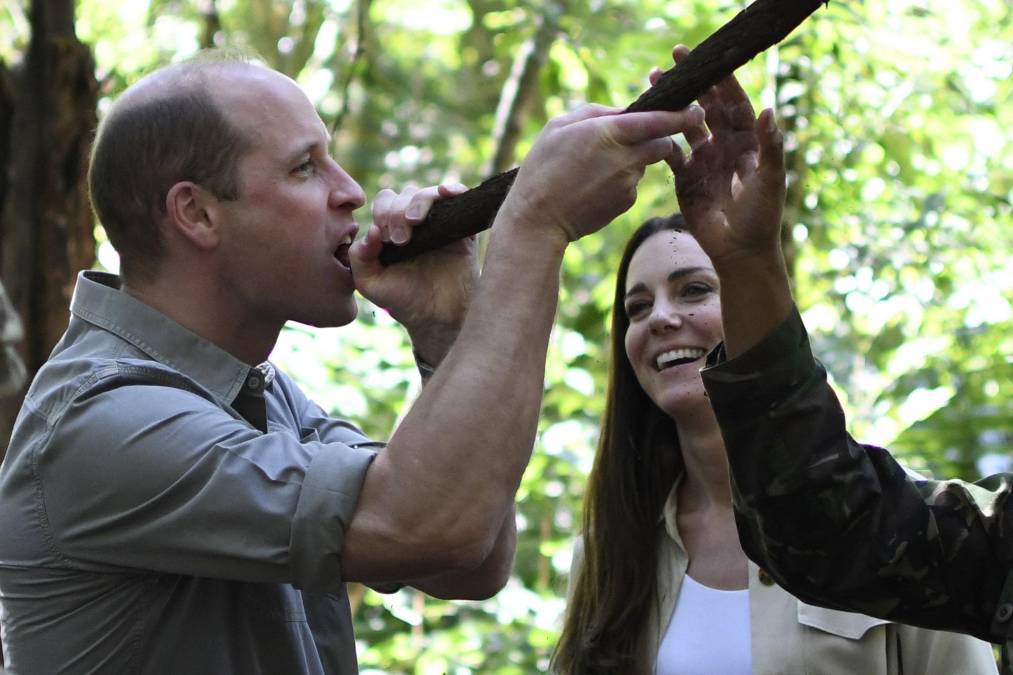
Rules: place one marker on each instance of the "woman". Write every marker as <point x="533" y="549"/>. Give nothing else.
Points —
<point x="662" y="585"/>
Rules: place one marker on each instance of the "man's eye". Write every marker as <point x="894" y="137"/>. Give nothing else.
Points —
<point x="306" y="167"/>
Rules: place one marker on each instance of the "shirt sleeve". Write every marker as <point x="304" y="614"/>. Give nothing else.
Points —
<point x="841" y="524"/>
<point x="153" y="477"/>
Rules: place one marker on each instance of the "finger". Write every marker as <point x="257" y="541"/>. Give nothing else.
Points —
<point x="679" y="54"/>
<point x="400" y="230"/>
<point x="655" y="75"/>
<point x="771" y="160"/>
<point x="637" y="127"/>
<point x="421" y="202"/>
<point x="746" y="163"/>
<point x="728" y="107"/>
<point x="738" y="109"/>
<point x="677" y="160"/>
<point x="656" y="150"/>
<point x="583" y="112"/>
<point x="381" y="210"/>
<point x="696" y="135"/>
<point x="364" y="253"/>
<point x="451" y="189"/>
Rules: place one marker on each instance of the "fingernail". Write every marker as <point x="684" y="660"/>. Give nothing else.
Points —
<point x="399" y="236"/>
<point x="414" y="213"/>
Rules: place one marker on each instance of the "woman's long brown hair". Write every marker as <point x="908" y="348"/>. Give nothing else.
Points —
<point x="634" y="470"/>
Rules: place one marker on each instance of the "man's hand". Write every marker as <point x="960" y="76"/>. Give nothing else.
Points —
<point x="428" y="295"/>
<point x="584" y="167"/>
<point x="731" y="187"/>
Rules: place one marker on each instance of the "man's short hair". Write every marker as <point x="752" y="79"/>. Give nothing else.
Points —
<point x="143" y="148"/>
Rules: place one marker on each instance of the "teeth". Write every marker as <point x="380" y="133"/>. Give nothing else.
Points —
<point x="670" y="357"/>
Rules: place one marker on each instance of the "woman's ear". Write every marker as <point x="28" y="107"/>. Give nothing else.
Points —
<point x="186" y="206"/>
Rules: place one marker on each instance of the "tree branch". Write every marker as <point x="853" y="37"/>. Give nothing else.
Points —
<point x="361" y="25"/>
<point x="751" y="31"/>
<point x="519" y="88"/>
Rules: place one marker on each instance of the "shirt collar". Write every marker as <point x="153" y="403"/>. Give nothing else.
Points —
<point x="99" y="301"/>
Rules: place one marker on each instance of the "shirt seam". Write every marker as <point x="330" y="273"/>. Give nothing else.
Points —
<point x="99" y="374"/>
<point x="41" y="508"/>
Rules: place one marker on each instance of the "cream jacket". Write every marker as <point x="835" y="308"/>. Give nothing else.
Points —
<point x="790" y="637"/>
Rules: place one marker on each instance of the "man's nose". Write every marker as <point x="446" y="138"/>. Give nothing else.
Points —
<point x="345" y="191"/>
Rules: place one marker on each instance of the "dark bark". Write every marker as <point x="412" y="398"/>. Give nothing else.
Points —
<point x="46" y="218"/>
<point x="762" y="24"/>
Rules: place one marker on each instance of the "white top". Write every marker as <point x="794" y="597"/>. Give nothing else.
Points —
<point x="708" y="633"/>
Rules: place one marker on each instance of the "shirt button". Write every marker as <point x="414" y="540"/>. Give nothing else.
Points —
<point x="252" y="382"/>
<point x="765" y="578"/>
<point x="1004" y="612"/>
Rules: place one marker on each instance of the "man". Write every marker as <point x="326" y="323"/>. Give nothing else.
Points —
<point x="170" y="502"/>
<point x="835" y="522"/>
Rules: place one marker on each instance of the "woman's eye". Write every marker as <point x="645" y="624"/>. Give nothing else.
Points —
<point x="696" y="290"/>
<point x="635" y="309"/>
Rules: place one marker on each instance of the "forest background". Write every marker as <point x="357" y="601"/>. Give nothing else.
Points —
<point x="899" y="135"/>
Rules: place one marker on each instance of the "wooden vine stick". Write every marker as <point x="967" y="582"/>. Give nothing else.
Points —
<point x="759" y="26"/>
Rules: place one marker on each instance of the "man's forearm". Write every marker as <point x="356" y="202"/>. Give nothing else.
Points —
<point x="485" y="580"/>
<point x="477" y="415"/>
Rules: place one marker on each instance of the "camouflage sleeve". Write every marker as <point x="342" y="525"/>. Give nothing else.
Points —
<point x="841" y="524"/>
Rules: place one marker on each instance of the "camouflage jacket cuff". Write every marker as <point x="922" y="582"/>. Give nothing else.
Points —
<point x="756" y="381"/>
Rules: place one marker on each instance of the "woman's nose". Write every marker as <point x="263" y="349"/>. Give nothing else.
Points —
<point x="664" y="317"/>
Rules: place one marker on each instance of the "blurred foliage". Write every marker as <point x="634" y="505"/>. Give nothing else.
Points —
<point x="898" y="129"/>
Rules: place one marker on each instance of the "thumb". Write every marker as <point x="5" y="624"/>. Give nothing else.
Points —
<point x="364" y="254"/>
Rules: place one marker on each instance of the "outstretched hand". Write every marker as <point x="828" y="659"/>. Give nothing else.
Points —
<point x="584" y="167"/>
<point x="428" y="295"/>
<point x="731" y="187"/>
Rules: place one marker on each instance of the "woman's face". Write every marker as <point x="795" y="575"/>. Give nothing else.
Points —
<point x="672" y="301"/>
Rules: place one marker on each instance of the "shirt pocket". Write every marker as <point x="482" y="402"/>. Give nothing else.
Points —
<point x="845" y="642"/>
<point x="843" y="624"/>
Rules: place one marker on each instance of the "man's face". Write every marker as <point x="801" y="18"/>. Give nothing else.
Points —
<point x="284" y="247"/>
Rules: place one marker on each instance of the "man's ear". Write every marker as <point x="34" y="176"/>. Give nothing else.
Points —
<point x="186" y="206"/>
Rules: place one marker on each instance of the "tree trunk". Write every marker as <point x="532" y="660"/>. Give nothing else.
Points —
<point x="520" y="87"/>
<point x="47" y="225"/>
<point x="754" y="29"/>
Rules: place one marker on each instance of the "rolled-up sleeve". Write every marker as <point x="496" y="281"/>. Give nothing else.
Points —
<point x="330" y="492"/>
<point x="152" y="477"/>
